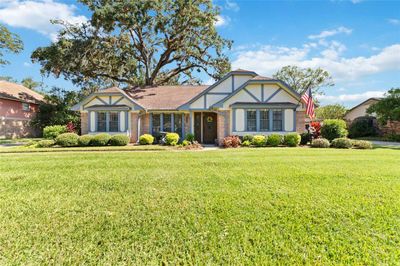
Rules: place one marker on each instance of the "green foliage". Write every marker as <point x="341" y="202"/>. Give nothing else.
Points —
<point x="301" y="79"/>
<point x="67" y="140"/>
<point x="320" y="143"/>
<point x="331" y="111"/>
<point x="51" y="132"/>
<point x="291" y="139"/>
<point x="119" y="140"/>
<point x="258" y="140"/>
<point x="146" y="139"/>
<point x="186" y="142"/>
<point x="388" y="108"/>
<point x="171" y="139"/>
<point x="46" y="143"/>
<point x="9" y="42"/>
<point x="85" y="140"/>
<point x="361" y="144"/>
<point x="341" y="143"/>
<point x="274" y="140"/>
<point x="363" y="127"/>
<point x="56" y="109"/>
<point x="30" y="83"/>
<point x="246" y="143"/>
<point x="248" y="137"/>
<point x="393" y="137"/>
<point x="189" y="137"/>
<point x="101" y="139"/>
<point x="139" y="43"/>
<point x="333" y="128"/>
<point x="305" y="138"/>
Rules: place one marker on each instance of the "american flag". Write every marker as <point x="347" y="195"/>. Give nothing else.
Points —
<point x="308" y="100"/>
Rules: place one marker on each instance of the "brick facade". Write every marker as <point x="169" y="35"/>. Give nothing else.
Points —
<point x="84" y="123"/>
<point x="145" y="124"/>
<point x="392" y="127"/>
<point x="223" y="125"/>
<point x="134" y="127"/>
<point x="300" y="121"/>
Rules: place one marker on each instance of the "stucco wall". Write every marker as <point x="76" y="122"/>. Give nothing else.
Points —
<point x="358" y="111"/>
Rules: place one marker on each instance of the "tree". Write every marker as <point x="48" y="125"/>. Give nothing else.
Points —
<point x="30" y="83"/>
<point x="55" y="110"/>
<point x="331" y="111"/>
<point x="301" y="79"/>
<point x="388" y="108"/>
<point x="8" y="78"/>
<point x="138" y="43"/>
<point x="9" y="42"/>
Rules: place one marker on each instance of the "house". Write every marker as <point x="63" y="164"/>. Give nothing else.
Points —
<point x="18" y="105"/>
<point x="241" y="103"/>
<point x="360" y="110"/>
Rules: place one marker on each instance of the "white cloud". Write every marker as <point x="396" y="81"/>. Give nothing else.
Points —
<point x="329" y="33"/>
<point x="222" y="21"/>
<point x="357" y="97"/>
<point x="394" y="21"/>
<point x="36" y="15"/>
<point x="231" y="5"/>
<point x="27" y="64"/>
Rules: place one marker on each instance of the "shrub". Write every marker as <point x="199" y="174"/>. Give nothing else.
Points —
<point x="171" y="139"/>
<point x="248" y="137"/>
<point x="85" y="140"/>
<point x="189" y="137"/>
<point x="274" y="140"/>
<point x="119" y="140"/>
<point x="316" y="128"/>
<point x="361" y="144"/>
<point x="341" y="143"/>
<point x="291" y="139"/>
<point x="363" y="127"/>
<point x="246" y="143"/>
<point x="393" y="137"/>
<point x="51" y="132"/>
<point x="146" y="139"/>
<point x="333" y="128"/>
<point x="305" y="138"/>
<point x="101" y="139"/>
<point x="67" y="140"/>
<point x="320" y="143"/>
<point x="186" y="143"/>
<point x="259" y="140"/>
<point x="70" y="127"/>
<point x="46" y="143"/>
<point x="231" y="142"/>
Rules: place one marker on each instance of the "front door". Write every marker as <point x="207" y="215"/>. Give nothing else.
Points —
<point x="209" y="128"/>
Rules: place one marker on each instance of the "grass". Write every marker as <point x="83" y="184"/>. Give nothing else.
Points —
<point x="21" y="140"/>
<point x="244" y="206"/>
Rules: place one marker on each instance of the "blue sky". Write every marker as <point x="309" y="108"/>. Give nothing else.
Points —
<point x="357" y="41"/>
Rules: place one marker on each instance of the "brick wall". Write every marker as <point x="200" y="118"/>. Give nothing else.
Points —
<point x="223" y="125"/>
<point x="390" y="128"/>
<point x="17" y="128"/>
<point x="300" y="121"/>
<point x="84" y="123"/>
<point x="134" y="127"/>
<point x="145" y="124"/>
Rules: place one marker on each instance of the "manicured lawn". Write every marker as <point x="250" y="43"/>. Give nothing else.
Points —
<point x="245" y="206"/>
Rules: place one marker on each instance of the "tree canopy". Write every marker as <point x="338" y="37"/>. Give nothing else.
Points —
<point x="30" y="83"/>
<point x="138" y="43"/>
<point x="331" y="111"/>
<point x="301" y="79"/>
<point x="388" y="108"/>
<point x="9" y="42"/>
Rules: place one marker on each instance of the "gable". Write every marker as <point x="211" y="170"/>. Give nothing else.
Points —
<point x="106" y="100"/>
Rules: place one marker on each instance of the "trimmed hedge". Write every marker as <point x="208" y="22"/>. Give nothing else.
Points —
<point x="320" y="143"/>
<point x="231" y="142"/>
<point x="333" y="129"/>
<point x="85" y="140"/>
<point x="274" y="140"/>
<point x="341" y="143"/>
<point x="361" y="144"/>
<point x="246" y="143"/>
<point x="171" y="139"/>
<point x="119" y="140"/>
<point x="189" y="137"/>
<point x="291" y="139"/>
<point x="67" y="140"/>
<point x="305" y="138"/>
<point x="258" y="140"/>
<point x="46" y="143"/>
<point x="363" y="127"/>
<point x="101" y="139"/>
<point x="186" y="143"/>
<point x="146" y="139"/>
<point x="52" y="132"/>
<point x="248" y="137"/>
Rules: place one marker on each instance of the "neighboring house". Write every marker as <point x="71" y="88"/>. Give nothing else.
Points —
<point x="18" y="105"/>
<point x="360" y="110"/>
<point x="240" y="103"/>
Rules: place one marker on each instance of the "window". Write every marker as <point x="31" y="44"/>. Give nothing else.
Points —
<point x="178" y="123"/>
<point x="251" y="120"/>
<point x="26" y="107"/>
<point x="113" y="125"/>
<point x="277" y="120"/>
<point x="156" y="123"/>
<point x="264" y="120"/>
<point x="101" y="121"/>
<point x="167" y="125"/>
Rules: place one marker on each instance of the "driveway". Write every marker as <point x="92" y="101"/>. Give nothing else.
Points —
<point x="386" y="143"/>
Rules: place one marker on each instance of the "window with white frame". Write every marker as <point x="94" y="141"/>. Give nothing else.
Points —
<point x="167" y="122"/>
<point x="264" y="120"/>
<point x="26" y="107"/>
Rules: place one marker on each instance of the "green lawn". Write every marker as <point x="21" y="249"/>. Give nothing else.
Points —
<point x="245" y="206"/>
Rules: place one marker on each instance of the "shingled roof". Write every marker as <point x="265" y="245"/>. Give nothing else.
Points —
<point x="17" y="92"/>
